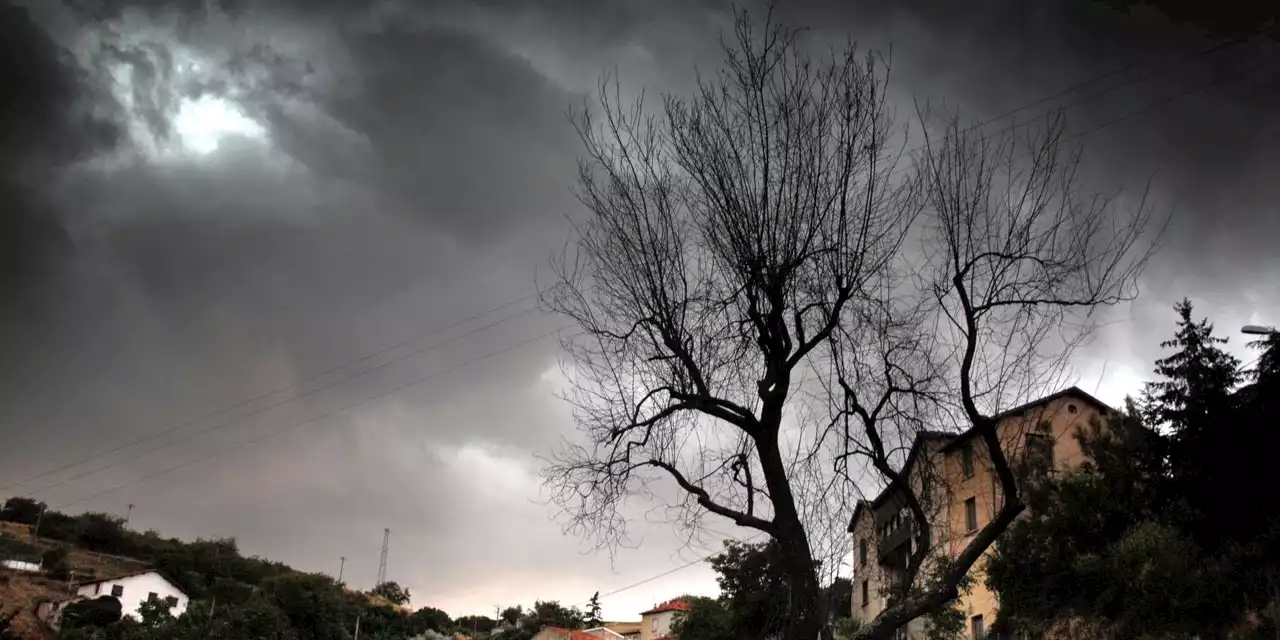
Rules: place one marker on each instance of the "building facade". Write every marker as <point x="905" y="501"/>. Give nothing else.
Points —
<point x="134" y="589"/>
<point x="656" y="623"/>
<point x="952" y="476"/>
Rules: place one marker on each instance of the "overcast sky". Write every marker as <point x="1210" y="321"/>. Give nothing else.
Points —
<point x="205" y="202"/>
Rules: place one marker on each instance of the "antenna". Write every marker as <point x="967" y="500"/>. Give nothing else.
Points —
<point x="382" y="562"/>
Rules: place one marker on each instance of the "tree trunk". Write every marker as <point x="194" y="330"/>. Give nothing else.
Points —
<point x="804" y="621"/>
<point x="805" y="616"/>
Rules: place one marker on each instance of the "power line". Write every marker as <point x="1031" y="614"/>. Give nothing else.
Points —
<point x="350" y="376"/>
<point x="233" y="421"/>
<point x="671" y="571"/>
<point x="1177" y="96"/>
<point x="272" y="392"/>
<point x="271" y="434"/>
<point x="1178" y="62"/>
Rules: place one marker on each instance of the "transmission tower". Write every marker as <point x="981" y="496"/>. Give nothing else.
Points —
<point x="382" y="562"/>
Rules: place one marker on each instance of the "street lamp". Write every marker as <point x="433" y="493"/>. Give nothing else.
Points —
<point x="1257" y="330"/>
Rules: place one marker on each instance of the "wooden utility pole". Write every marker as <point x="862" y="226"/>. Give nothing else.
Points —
<point x="128" y="516"/>
<point x="342" y="566"/>
<point x="35" y="531"/>
<point x="357" y="627"/>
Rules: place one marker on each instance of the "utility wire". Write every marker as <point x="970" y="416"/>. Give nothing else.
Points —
<point x="271" y="434"/>
<point x="266" y="394"/>
<point x="357" y="373"/>
<point x="671" y="571"/>
<point x="1230" y="77"/>
<point x="1180" y="62"/>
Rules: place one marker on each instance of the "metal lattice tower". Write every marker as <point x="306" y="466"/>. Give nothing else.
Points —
<point x="382" y="562"/>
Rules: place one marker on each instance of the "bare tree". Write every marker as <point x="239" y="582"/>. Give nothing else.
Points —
<point x="757" y="328"/>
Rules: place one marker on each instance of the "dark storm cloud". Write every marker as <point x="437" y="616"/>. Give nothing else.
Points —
<point x="413" y="169"/>
<point x="457" y="130"/>
<point x="44" y="123"/>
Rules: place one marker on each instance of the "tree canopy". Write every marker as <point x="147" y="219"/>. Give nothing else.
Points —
<point x="392" y="592"/>
<point x="753" y="596"/>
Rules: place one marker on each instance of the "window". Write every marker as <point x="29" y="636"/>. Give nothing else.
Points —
<point x="971" y="515"/>
<point x="117" y="590"/>
<point x="966" y="459"/>
<point x="654" y="625"/>
<point x="866" y="594"/>
<point x="977" y="626"/>
<point x="862" y="552"/>
<point x="171" y="601"/>
<point x="1040" y="450"/>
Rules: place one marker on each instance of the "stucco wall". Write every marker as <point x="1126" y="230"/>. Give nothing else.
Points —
<point x="136" y="590"/>
<point x="656" y="625"/>
<point x="1065" y="416"/>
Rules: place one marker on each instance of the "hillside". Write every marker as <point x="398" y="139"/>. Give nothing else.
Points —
<point x="23" y="591"/>
<point x="250" y="597"/>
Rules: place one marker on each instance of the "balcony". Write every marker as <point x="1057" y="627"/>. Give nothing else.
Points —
<point x="893" y="529"/>
<point x="896" y="544"/>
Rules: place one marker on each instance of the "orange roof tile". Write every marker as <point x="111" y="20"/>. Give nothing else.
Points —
<point x="670" y="605"/>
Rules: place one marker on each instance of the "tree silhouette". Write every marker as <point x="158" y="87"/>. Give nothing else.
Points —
<point x="768" y="312"/>
<point x="593" y="611"/>
<point x="392" y="591"/>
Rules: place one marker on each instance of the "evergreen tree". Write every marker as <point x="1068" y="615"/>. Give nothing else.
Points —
<point x="593" y="611"/>
<point x="1191" y="401"/>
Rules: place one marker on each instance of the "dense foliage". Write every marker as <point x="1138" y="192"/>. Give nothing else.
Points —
<point x="753" y="597"/>
<point x="391" y="592"/>
<point x="1169" y="529"/>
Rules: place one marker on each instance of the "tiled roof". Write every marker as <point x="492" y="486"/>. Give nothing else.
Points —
<point x="670" y="605"/>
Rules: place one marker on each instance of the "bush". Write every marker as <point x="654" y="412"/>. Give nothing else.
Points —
<point x="15" y="549"/>
<point x="21" y="510"/>
<point x="98" y="612"/>
<point x="55" y="564"/>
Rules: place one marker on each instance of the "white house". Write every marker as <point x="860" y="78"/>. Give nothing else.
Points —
<point x="134" y="589"/>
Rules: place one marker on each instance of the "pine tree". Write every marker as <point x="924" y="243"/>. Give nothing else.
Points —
<point x="593" y="611"/>
<point x="1197" y="379"/>
<point x="1192" y="403"/>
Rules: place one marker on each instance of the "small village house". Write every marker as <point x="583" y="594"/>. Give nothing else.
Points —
<point x="656" y="623"/>
<point x="132" y="590"/>
<point x="136" y="588"/>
